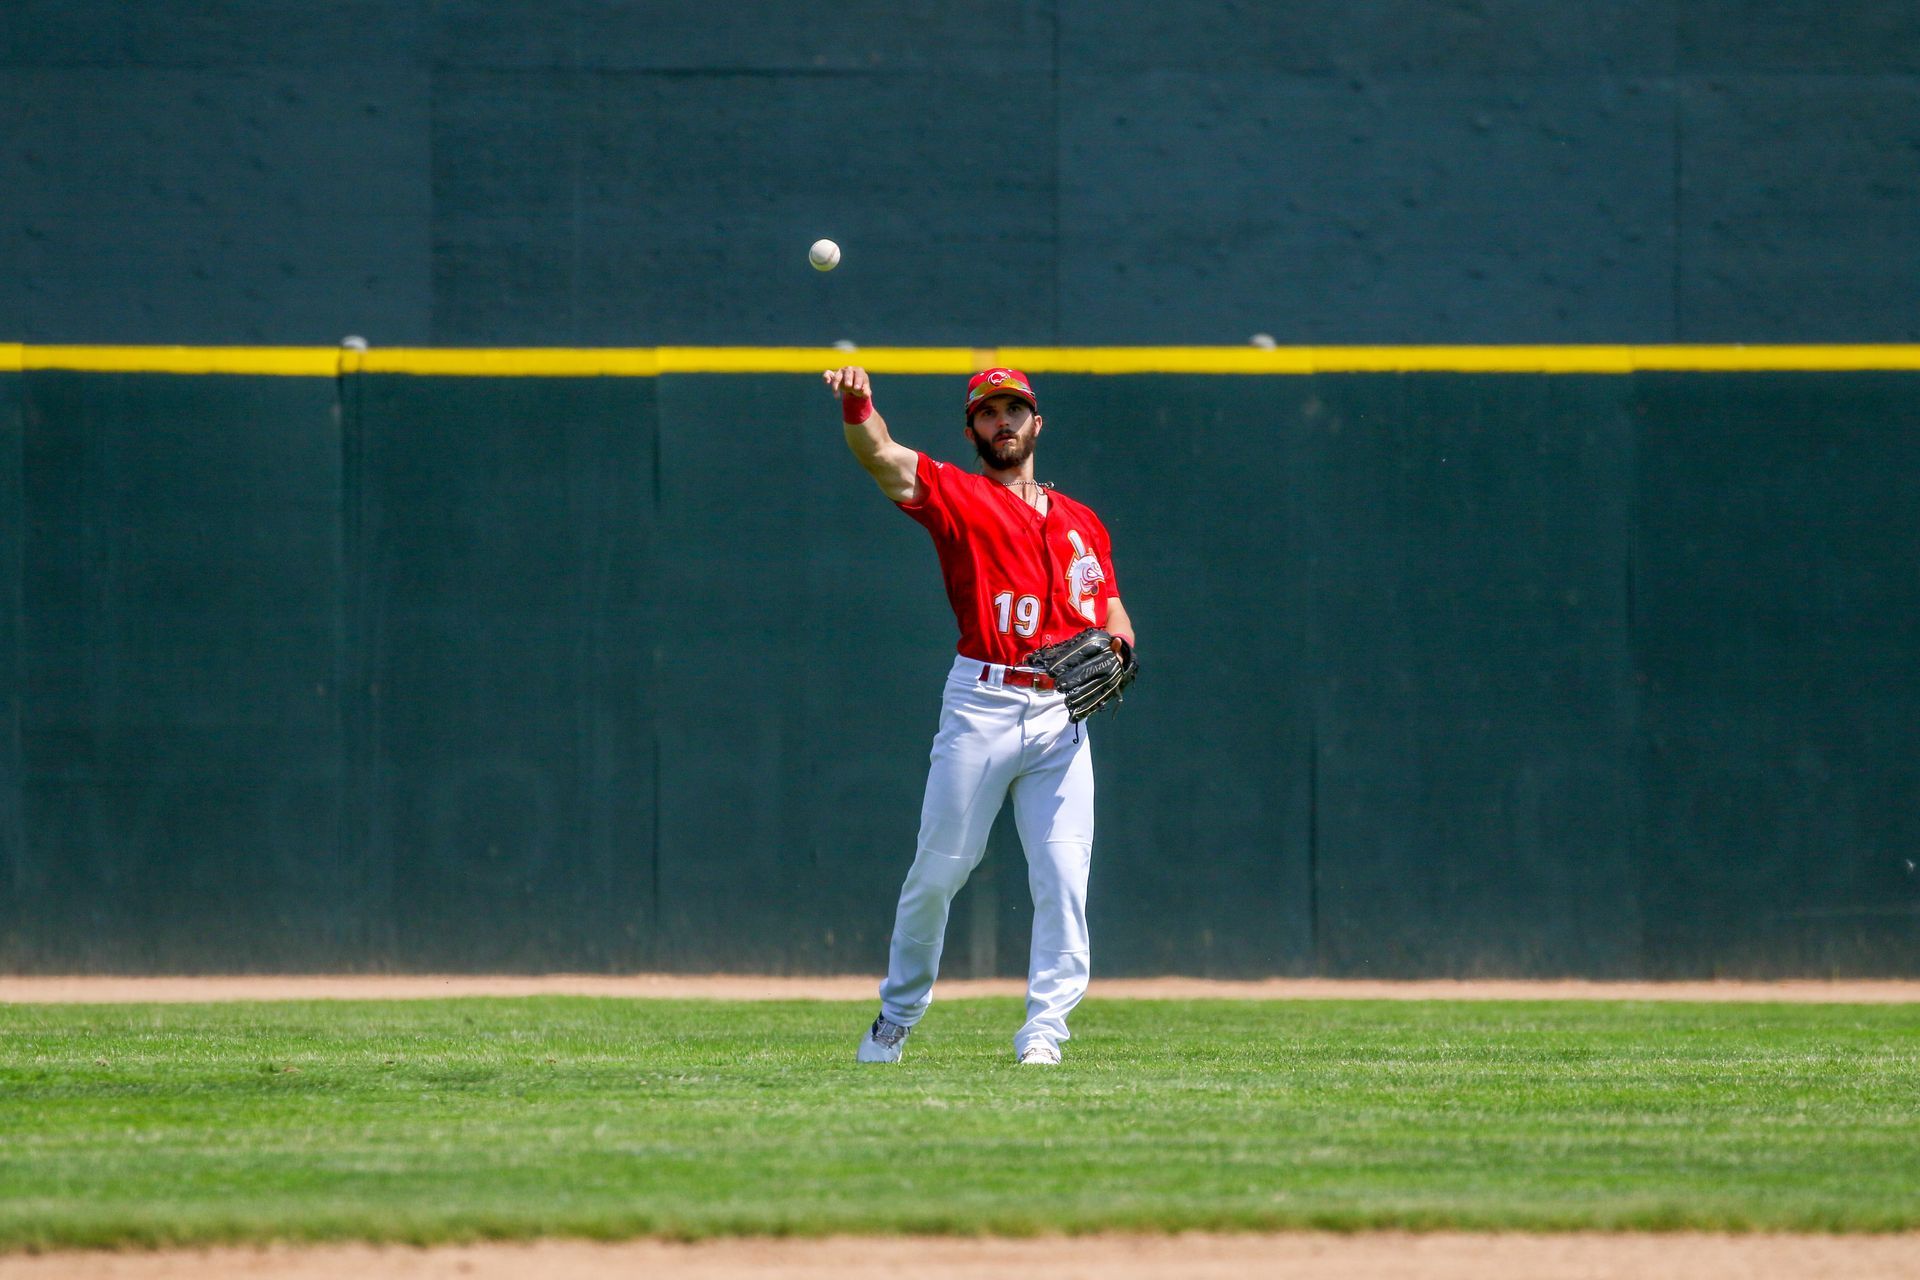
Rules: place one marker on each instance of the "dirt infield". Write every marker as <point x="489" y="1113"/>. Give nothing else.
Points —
<point x="117" y="990"/>
<point x="1297" y="1255"/>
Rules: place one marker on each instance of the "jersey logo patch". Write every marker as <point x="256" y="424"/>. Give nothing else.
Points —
<point x="1084" y="577"/>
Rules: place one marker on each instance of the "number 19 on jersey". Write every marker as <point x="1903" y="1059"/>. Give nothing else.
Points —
<point x="1021" y="616"/>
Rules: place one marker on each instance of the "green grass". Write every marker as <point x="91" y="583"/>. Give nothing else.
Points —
<point x="462" y="1119"/>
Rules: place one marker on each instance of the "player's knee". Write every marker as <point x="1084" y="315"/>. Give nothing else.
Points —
<point x="1060" y="868"/>
<point x="936" y="875"/>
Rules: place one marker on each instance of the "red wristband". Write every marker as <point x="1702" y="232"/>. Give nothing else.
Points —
<point x="855" y="410"/>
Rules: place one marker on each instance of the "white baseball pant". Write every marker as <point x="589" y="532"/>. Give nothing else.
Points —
<point x="993" y="739"/>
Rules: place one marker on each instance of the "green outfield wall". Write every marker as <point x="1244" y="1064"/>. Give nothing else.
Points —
<point x="1445" y="672"/>
<point x="612" y="173"/>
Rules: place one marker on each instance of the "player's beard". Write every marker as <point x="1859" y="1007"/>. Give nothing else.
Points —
<point x="1007" y="455"/>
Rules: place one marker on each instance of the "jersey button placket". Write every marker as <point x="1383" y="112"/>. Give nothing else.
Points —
<point x="1053" y="568"/>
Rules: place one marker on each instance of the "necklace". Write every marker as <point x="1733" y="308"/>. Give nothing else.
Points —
<point x="1038" y="490"/>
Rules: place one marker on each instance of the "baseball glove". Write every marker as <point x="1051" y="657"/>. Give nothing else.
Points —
<point x="1091" y="669"/>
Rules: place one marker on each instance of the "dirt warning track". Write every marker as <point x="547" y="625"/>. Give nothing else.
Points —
<point x="1296" y="1255"/>
<point x="113" y="989"/>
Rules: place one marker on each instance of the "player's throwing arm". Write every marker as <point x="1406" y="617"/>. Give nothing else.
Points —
<point x="891" y="465"/>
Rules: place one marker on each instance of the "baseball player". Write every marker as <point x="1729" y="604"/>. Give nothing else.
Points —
<point x="1029" y="572"/>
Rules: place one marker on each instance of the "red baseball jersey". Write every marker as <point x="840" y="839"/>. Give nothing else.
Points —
<point x="1017" y="580"/>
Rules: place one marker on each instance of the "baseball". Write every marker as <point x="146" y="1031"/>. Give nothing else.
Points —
<point x="825" y="255"/>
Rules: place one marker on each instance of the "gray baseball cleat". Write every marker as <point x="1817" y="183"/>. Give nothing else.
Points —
<point x="1039" y="1054"/>
<point x="882" y="1041"/>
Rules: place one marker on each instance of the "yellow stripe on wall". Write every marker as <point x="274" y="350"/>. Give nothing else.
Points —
<point x="814" y="359"/>
<point x="291" y="362"/>
<point x="508" y="362"/>
<point x="646" y="362"/>
<point x="1536" y="359"/>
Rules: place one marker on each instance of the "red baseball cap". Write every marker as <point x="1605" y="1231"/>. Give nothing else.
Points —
<point x="1000" y="382"/>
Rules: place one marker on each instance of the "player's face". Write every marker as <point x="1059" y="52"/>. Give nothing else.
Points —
<point x="1003" y="431"/>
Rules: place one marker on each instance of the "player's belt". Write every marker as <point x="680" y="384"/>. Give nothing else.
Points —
<point x="1016" y="677"/>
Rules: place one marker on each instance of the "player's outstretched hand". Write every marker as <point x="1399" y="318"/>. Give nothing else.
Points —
<point x="849" y="382"/>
